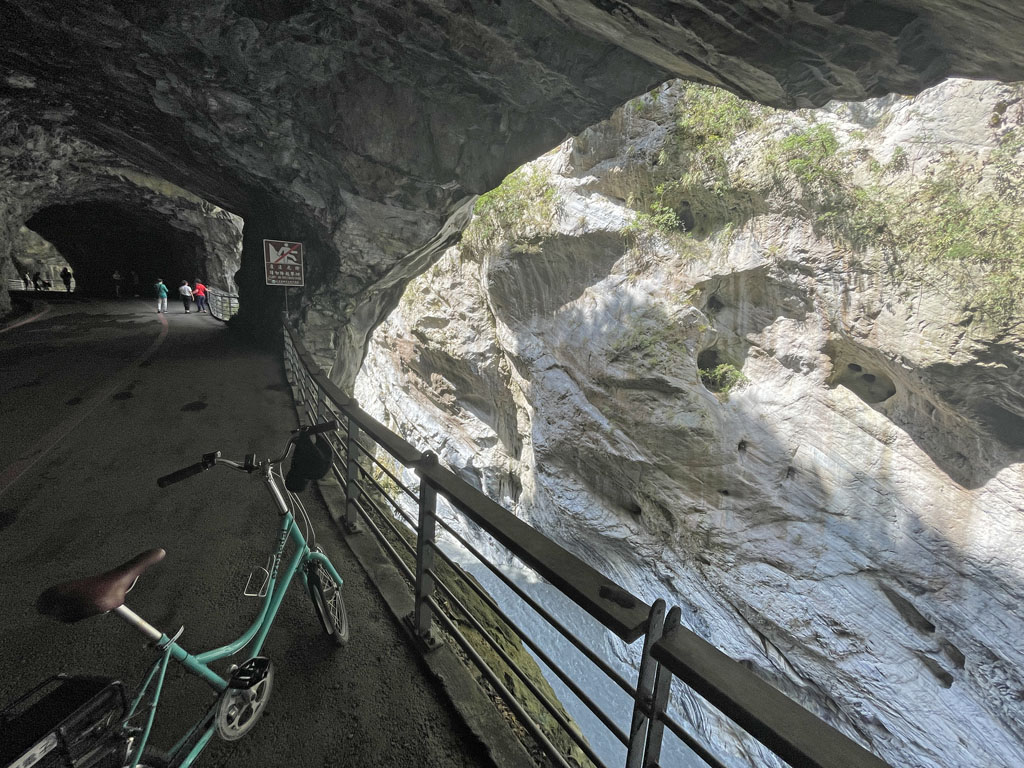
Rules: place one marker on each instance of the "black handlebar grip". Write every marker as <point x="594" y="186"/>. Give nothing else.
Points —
<point x="327" y="426"/>
<point x="181" y="474"/>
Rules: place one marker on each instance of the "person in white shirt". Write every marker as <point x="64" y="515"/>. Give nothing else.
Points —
<point x="186" y="295"/>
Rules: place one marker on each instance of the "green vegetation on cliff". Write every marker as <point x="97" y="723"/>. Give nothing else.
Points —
<point x="722" y="378"/>
<point x="708" y="121"/>
<point x="957" y="225"/>
<point x="517" y="211"/>
<point x="947" y="226"/>
<point x="972" y="233"/>
<point x="692" y="173"/>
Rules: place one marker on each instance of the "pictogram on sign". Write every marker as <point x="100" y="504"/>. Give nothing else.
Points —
<point x="283" y="262"/>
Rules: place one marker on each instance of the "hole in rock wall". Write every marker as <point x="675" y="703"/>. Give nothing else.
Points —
<point x="869" y="383"/>
<point x="953" y="653"/>
<point x="708" y="359"/>
<point x="907" y="611"/>
<point x="1007" y="426"/>
<point x="719" y="373"/>
<point x="97" y="238"/>
<point x="686" y="217"/>
<point x="940" y="673"/>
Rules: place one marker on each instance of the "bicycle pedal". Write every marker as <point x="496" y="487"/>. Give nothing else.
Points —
<point x="251" y="673"/>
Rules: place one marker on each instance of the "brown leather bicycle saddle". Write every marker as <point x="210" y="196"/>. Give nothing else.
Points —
<point x="79" y="599"/>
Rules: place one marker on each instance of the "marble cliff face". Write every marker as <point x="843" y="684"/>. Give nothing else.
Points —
<point x="768" y="366"/>
<point x="361" y="128"/>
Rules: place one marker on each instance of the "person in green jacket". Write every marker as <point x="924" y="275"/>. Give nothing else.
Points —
<point x="161" y="296"/>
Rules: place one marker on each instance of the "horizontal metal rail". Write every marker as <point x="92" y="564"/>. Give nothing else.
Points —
<point x="542" y="655"/>
<point x="551" y="707"/>
<point x="499" y="686"/>
<point x="484" y="596"/>
<point x="780" y="724"/>
<point x="550" y="620"/>
<point x="618" y="610"/>
<point x="223" y="306"/>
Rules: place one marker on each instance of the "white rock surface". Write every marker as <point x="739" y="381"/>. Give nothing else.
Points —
<point x="861" y="551"/>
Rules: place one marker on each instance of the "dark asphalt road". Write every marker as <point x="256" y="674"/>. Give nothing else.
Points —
<point x="96" y="401"/>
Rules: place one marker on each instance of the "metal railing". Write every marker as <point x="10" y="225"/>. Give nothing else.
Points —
<point x="223" y="306"/>
<point x="405" y="522"/>
<point x="17" y="284"/>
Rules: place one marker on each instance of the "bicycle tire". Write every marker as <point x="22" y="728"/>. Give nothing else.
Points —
<point x="328" y="603"/>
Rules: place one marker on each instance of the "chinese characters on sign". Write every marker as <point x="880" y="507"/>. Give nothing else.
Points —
<point x="283" y="262"/>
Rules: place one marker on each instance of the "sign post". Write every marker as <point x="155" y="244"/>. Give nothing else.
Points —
<point x="282" y="261"/>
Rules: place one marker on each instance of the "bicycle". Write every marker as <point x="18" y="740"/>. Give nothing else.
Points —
<point x="89" y="722"/>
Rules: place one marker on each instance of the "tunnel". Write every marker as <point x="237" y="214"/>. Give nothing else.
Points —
<point x="366" y="131"/>
<point x="99" y="237"/>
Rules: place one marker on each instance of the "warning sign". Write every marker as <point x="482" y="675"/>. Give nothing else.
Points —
<point x="283" y="262"/>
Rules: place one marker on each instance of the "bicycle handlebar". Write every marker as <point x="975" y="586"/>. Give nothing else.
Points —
<point x="316" y="429"/>
<point x="181" y="474"/>
<point x="209" y="459"/>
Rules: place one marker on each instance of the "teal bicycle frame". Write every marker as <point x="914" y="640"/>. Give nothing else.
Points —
<point x="279" y="581"/>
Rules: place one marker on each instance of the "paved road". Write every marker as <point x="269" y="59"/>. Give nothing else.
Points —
<point x="96" y="401"/>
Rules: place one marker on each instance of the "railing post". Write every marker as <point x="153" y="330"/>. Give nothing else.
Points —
<point x="646" y="675"/>
<point x="314" y="400"/>
<point x="422" y="614"/>
<point x="351" y="476"/>
<point x="323" y="413"/>
<point x="289" y="359"/>
<point x="659" y="702"/>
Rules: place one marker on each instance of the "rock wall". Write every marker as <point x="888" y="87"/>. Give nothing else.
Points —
<point x="361" y="128"/>
<point x="768" y="366"/>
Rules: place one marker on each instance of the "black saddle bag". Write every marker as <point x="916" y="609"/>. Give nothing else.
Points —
<point x="311" y="461"/>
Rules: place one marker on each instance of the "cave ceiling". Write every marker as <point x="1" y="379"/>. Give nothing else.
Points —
<point x="300" y="115"/>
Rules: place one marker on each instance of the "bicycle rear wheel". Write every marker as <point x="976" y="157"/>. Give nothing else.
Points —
<point x="328" y="603"/>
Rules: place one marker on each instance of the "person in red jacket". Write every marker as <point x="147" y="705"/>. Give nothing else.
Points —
<point x="199" y="291"/>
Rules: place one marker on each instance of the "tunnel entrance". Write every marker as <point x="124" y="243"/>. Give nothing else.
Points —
<point x="99" y="237"/>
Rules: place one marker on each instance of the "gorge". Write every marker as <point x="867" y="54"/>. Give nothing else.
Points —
<point x="731" y="376"/>
<point x="771" y="395"/>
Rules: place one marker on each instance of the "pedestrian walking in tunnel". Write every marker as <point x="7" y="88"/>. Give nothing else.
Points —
<point x="65" y="275"/>
<point x="186" y="295"/>
<point x="37" y="281"/>
<point x="199" y="291"/>
<point x="161" y="296"/>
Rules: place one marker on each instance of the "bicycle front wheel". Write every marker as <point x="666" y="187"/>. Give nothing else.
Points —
<point x="328" y="603"/>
